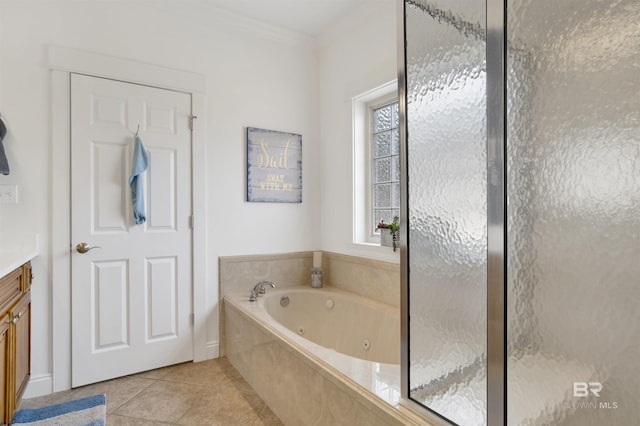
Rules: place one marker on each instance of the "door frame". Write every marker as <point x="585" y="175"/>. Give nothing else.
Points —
<point x="62" y="62"/>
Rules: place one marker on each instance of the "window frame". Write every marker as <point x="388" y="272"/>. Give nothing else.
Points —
<point x="381" y="102"/>
<point x="365" y="231"/>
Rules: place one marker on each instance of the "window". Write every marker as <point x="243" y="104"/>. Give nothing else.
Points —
<point x="385" y="163"/>
<point x="376" y="157"/>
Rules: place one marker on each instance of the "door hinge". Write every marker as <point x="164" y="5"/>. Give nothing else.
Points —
<point x="191" y="221"/>
<point x="191" y="118"/>
<point x="192" y="319"/>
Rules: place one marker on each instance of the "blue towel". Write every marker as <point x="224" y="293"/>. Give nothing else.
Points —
<point x="4" y="163"/>
<point x="139" y="164"/>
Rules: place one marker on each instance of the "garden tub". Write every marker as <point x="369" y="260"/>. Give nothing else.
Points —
<point x="319" y="356"/>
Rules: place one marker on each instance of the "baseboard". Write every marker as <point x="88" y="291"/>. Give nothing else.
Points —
<point x="38" y="386"/>
<point x="212" y="350"/>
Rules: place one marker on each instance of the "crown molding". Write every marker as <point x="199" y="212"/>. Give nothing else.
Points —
<point x="209" y="14"/>
<point x="202" y="13"/>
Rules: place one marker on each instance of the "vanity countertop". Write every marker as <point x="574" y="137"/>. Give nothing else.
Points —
<point x="13" y="256"/>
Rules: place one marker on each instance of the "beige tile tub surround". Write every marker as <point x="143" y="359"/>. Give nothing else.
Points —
<point x="237" y="274"/>
<point x="374" y="279"/>
<point x="370" y="278"/>
<point x="296" y="387"/>
<point x="241" y="273"/>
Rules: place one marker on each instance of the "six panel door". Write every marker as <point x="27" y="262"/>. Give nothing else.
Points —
<point x="132" y="290"/>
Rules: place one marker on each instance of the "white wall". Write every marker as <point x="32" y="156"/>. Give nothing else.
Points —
<point x="356" y="55"/>
<point x="257" y="76"/>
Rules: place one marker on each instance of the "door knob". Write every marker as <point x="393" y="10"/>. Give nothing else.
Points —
<point x="84" y="247"/>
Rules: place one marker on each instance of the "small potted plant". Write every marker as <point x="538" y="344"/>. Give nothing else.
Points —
<point x="389" y="231"/>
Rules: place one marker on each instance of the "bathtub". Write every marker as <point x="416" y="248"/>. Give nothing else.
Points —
<point x="319" y="356"/>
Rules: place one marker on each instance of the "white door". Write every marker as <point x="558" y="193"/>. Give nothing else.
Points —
<point x="132" y="296"/>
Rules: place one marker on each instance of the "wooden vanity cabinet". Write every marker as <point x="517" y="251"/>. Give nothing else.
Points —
<point x="20" y="349"/>
<point x="15" y="339"/>
<point x="4" y="366"/>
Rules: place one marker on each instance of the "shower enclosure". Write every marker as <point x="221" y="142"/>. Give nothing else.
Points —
<point x="521" y="221"/>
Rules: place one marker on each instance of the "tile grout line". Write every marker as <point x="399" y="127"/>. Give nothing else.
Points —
<point x="152" y="382"/>
<point x="226" y="379"/>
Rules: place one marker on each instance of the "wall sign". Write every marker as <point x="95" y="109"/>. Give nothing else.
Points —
<point x="274" y="166"/>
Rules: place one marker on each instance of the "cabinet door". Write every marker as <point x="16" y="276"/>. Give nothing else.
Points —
<point x="21" y="315"/>
<point x="4" y="347"/>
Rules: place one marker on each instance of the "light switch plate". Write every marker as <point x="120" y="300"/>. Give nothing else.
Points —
<point x="8" y="194"/>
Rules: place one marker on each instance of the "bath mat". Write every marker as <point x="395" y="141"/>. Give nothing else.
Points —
<point x="90" y="411"/>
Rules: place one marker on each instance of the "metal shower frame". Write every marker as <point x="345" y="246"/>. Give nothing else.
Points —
<point x="496" y="214"/>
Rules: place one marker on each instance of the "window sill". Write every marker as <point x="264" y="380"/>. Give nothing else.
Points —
<point x="375" y="251"/>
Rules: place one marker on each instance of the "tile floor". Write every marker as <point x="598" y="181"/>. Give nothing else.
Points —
<point x="204" y="393"/>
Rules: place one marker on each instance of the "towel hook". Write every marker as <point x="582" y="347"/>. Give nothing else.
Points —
<point x="137" y="130"/>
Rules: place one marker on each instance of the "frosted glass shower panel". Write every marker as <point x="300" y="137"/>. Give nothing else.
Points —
<point x="573" y="185"/>
<point x="446" y="152"/>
